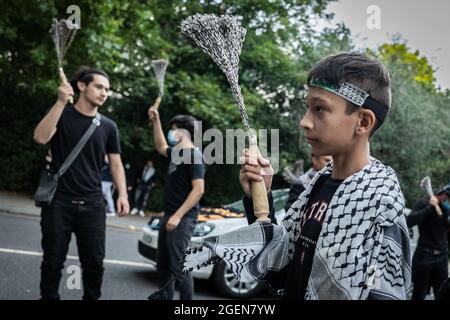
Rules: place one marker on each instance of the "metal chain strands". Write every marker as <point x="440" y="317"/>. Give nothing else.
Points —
<point x="221" y="37"/>
<point x="63" y="33"/>
<point x="159" y="67"/>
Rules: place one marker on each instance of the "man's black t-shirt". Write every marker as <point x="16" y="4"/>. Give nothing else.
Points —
<point x="83" y="178"/>
<point x="179" y="179"/>
<point x="433" y="228"/>
<point x="299" y="268"/>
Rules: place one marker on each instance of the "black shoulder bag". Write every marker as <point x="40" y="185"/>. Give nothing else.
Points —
<point x="49" y="179"/>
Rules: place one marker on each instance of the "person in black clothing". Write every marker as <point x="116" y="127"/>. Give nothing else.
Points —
<point x="183" y="190"/>
<point x="78" y="205"/>
<point x="299" y="184"/>
<point x="430" y="261"/>
<point x="145" y="184"/>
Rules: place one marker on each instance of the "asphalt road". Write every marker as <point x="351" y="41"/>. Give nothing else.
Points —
<point x="127" y="276"/>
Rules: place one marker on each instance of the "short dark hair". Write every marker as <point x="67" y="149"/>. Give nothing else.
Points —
<point x="184" y="121"/>
<point x="85" y="74"/>
<point x="445" y="190"/>
<point x="358" y="69"/>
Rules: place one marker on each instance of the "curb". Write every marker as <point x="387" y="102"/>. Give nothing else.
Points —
<point x="17" y="210"/>
<point x="32" y="212"/>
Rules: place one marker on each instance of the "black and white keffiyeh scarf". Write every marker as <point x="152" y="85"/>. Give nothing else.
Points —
<point x="362" y="251"/>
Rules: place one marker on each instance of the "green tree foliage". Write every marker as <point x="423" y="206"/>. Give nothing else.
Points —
<point x="280" y="47"/>
<point x="413" y="66"/>
<point x="123" y="38"/>
<point x="416" y="134"/>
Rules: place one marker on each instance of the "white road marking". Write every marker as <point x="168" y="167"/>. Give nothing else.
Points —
<point x="110" y="261"/>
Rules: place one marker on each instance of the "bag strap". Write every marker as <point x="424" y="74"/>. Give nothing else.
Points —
<point x="74" y="153"/>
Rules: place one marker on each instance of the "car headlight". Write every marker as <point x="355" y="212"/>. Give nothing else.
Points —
<point x="155" y="223"/>
<point x="202" y="229"/>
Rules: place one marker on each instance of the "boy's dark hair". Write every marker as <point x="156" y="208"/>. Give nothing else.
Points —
<point x="358" y="69"/>
<point x="86" y="75"/>
<point x="184" y="121"/>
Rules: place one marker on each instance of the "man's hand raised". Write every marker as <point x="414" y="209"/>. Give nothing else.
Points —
<point x="65" y="92"/>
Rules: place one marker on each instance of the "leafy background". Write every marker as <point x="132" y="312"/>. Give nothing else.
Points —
<point x="281" y="46"/>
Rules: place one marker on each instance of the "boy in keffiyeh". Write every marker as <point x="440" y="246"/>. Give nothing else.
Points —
<point x="346" y="236"/>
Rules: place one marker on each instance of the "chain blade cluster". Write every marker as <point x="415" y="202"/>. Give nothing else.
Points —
<point x="63" y="33"/>
<point x="159" y="67"/>
<point x="221" y="37"/>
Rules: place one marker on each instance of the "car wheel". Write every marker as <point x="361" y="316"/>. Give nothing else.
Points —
<point x="226" y="283"/>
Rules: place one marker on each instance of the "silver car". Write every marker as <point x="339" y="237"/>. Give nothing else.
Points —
<point x="212" y="222"/>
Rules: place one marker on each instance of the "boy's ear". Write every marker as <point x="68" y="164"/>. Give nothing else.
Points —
<point x="367" y="122"/>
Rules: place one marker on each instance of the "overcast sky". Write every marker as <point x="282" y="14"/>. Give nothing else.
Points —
<point x="425" y="24"/>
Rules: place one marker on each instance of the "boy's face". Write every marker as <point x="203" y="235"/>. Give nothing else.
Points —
<point x="97" y="90"/>
<point x="329" y="130"/>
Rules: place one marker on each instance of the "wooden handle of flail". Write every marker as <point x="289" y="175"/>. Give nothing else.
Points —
<point x="157" y="102"/>
<point x="259" y="193"/>
<point x="63" y="78"/>
<point x="156" y="105"/>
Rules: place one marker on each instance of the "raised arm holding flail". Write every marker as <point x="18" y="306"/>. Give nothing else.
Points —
<point x="63" y="33"/>
<point x="425" y="183"/>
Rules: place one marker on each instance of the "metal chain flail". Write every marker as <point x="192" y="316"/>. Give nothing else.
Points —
<point x="63" y="33"/>
<point x="159" y="67"/>
<point x="221" y="37"/>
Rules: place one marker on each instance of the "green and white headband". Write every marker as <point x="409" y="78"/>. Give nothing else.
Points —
<point x="354" y="95"/>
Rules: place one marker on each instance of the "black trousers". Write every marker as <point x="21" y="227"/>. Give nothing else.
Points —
<point x="429" y="270"/>
<point x="171" y="247"/>
<point x="87" y="221"/>
<point x="141" y="196"/>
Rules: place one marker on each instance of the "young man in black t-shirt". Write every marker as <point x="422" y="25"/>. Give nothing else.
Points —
<point x="78" y="205"/>
<point x="183" y="190"/>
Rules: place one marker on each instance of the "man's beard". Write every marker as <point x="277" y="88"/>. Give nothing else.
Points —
<point x="94" y="103"/>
